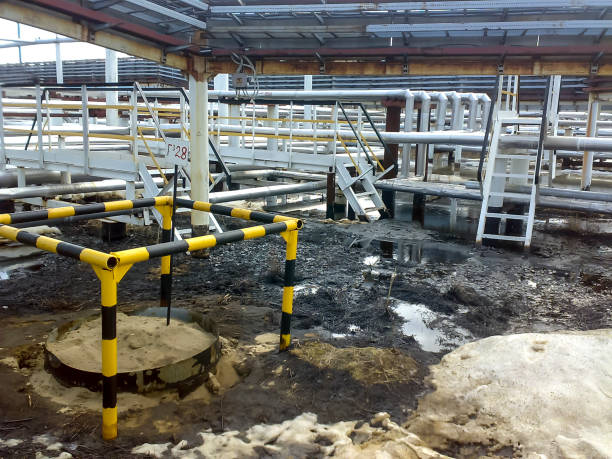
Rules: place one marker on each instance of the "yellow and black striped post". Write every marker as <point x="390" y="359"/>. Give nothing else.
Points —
<point x="166" y="278"/>
<point x="109" y="352"/>
<point x="287" y="308"/>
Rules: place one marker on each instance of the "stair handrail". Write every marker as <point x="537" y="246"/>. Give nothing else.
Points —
<point x="485" y="142"/>
<point x="377" y="132"/>
<point x="356" y="135"/>
<point x="543" y="132"/>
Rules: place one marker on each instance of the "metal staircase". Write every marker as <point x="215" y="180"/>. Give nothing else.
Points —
<point x="368" y="168"/>
<point x="512" y="176"/>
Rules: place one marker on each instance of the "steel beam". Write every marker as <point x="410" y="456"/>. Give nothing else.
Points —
<point x="407" y="6"/>
<point x="396" y="30"/>
<point x="26" y="13"/>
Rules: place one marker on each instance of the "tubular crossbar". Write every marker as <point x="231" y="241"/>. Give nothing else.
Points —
<point x="70" y="211"/>
<point x="67" y="249"/>
<point x="110" y="268"/>
<point x="236" y="212"/>
<point x="131" y="256"/>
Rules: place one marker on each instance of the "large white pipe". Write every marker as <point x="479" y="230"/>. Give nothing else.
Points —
<point x="111" y="72"/>
<point x="198" y="102"/>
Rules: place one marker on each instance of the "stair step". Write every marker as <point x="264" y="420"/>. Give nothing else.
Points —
<point x="365" y="193"/>
<point x="511" y="175"/>
<point x="508" y="156"/>
<point x="503" y="237"/>
<point x="506" y="194"/>
<point x="184" y="231"/>
<point x="508" y="216"/>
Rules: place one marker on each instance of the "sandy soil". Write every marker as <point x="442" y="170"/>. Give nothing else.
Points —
<point x="355" y="285"/>
<point x="146" y="342"/>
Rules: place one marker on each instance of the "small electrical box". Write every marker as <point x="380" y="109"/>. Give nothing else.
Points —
<point x="241" y="80"/>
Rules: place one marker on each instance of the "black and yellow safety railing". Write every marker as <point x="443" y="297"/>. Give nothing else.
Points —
<point x="111" y="267"/>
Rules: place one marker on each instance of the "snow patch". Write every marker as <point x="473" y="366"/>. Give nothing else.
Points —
<point x="303" y="437"/>
<point x="536" y="393"/>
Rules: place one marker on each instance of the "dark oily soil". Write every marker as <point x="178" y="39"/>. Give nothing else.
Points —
<point x="350" y="277"/>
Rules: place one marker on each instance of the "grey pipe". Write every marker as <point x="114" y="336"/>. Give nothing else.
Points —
<point x="260" y="192"/>
<point x="119" y="185"/>
<point x="8" y="178"/>
<point x="555" y="192"/>
<point x="463" y="193"/>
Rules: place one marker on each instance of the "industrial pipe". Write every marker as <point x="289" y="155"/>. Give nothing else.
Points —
<point x="260" y="192"/>
<point x="460" y="192"/>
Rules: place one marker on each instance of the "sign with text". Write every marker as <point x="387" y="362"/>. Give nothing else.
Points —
<point x="177" y="151"/>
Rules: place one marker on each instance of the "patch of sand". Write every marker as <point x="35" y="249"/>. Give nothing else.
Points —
<point x="142" y="343"/>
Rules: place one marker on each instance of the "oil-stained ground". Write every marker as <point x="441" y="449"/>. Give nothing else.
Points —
<point x="375" y="304"/>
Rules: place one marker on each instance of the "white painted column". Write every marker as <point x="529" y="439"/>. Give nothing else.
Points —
<point x="111" y="72"/>
<point x="2" y="147"/>
<point x="59" y="67"/>
<point x="221" y="83"/>
<point x="234" y="112"/>
<point x="308" y="108"/>
<point x="272" y="143"/>
<point x="198" y="105"/>
<point x="587" y="159"/>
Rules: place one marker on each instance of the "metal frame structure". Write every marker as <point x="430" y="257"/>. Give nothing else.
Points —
<point x="537" y="37"/>
<point x="110" y="268"/>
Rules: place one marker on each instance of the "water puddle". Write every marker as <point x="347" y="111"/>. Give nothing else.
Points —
<point x="433" y="332"/>
<point x="437" y="217"/>
<point x="13" y="258"/>
<point x="412" y="251"/>
<point x="305" y="289"/>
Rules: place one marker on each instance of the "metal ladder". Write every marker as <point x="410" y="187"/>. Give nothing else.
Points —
<point x="366" y="166"/>
<point x="523" y="167"/>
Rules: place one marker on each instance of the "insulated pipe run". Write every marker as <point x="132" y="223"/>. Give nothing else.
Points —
<point x="423" y="127"/>
<point x="407" y="147"/>
<point x="456" y="121"/>
<point x="485" y="100"/>
<point x="259" y="192"/>
<point x="473" y="105"/>
<point x="47" y="191"/>
<point x="549" y="202"/>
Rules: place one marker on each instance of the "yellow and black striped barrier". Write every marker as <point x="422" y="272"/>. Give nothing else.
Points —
<point x="111" y="267"/>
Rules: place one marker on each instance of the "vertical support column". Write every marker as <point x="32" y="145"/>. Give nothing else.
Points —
<point x="308" y="108"/>
<point x="234" y="112"/>
<point x="108" y="286"/>
<point x="221" y="83"/>
<point x="553" y="116"/>
<point x="59" y="66"/>
<point x="59" y="79"/>
<point x="391" y="154"/>
<point x="85" y="119"/>
<point x="39" y="127"/>
<point x="111" y="73"/>
<point x="587" y="159"/>
<point x="198" y="97"/>
<point x="2" y="147"/>
<point x="134" y="123"/>
<point x="272" y="142"/>
<point x="331" y="194"/>
<point x="407" y="147"/>
<point x="291" y="238"/>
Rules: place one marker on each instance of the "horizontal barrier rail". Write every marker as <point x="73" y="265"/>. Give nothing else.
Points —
<point x="69" y="211"/>
<point x="131" y="256"/>
<point x="49" y="244"/>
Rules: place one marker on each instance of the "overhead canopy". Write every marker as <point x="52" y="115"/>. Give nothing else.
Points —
<point x="342" y="37"/>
